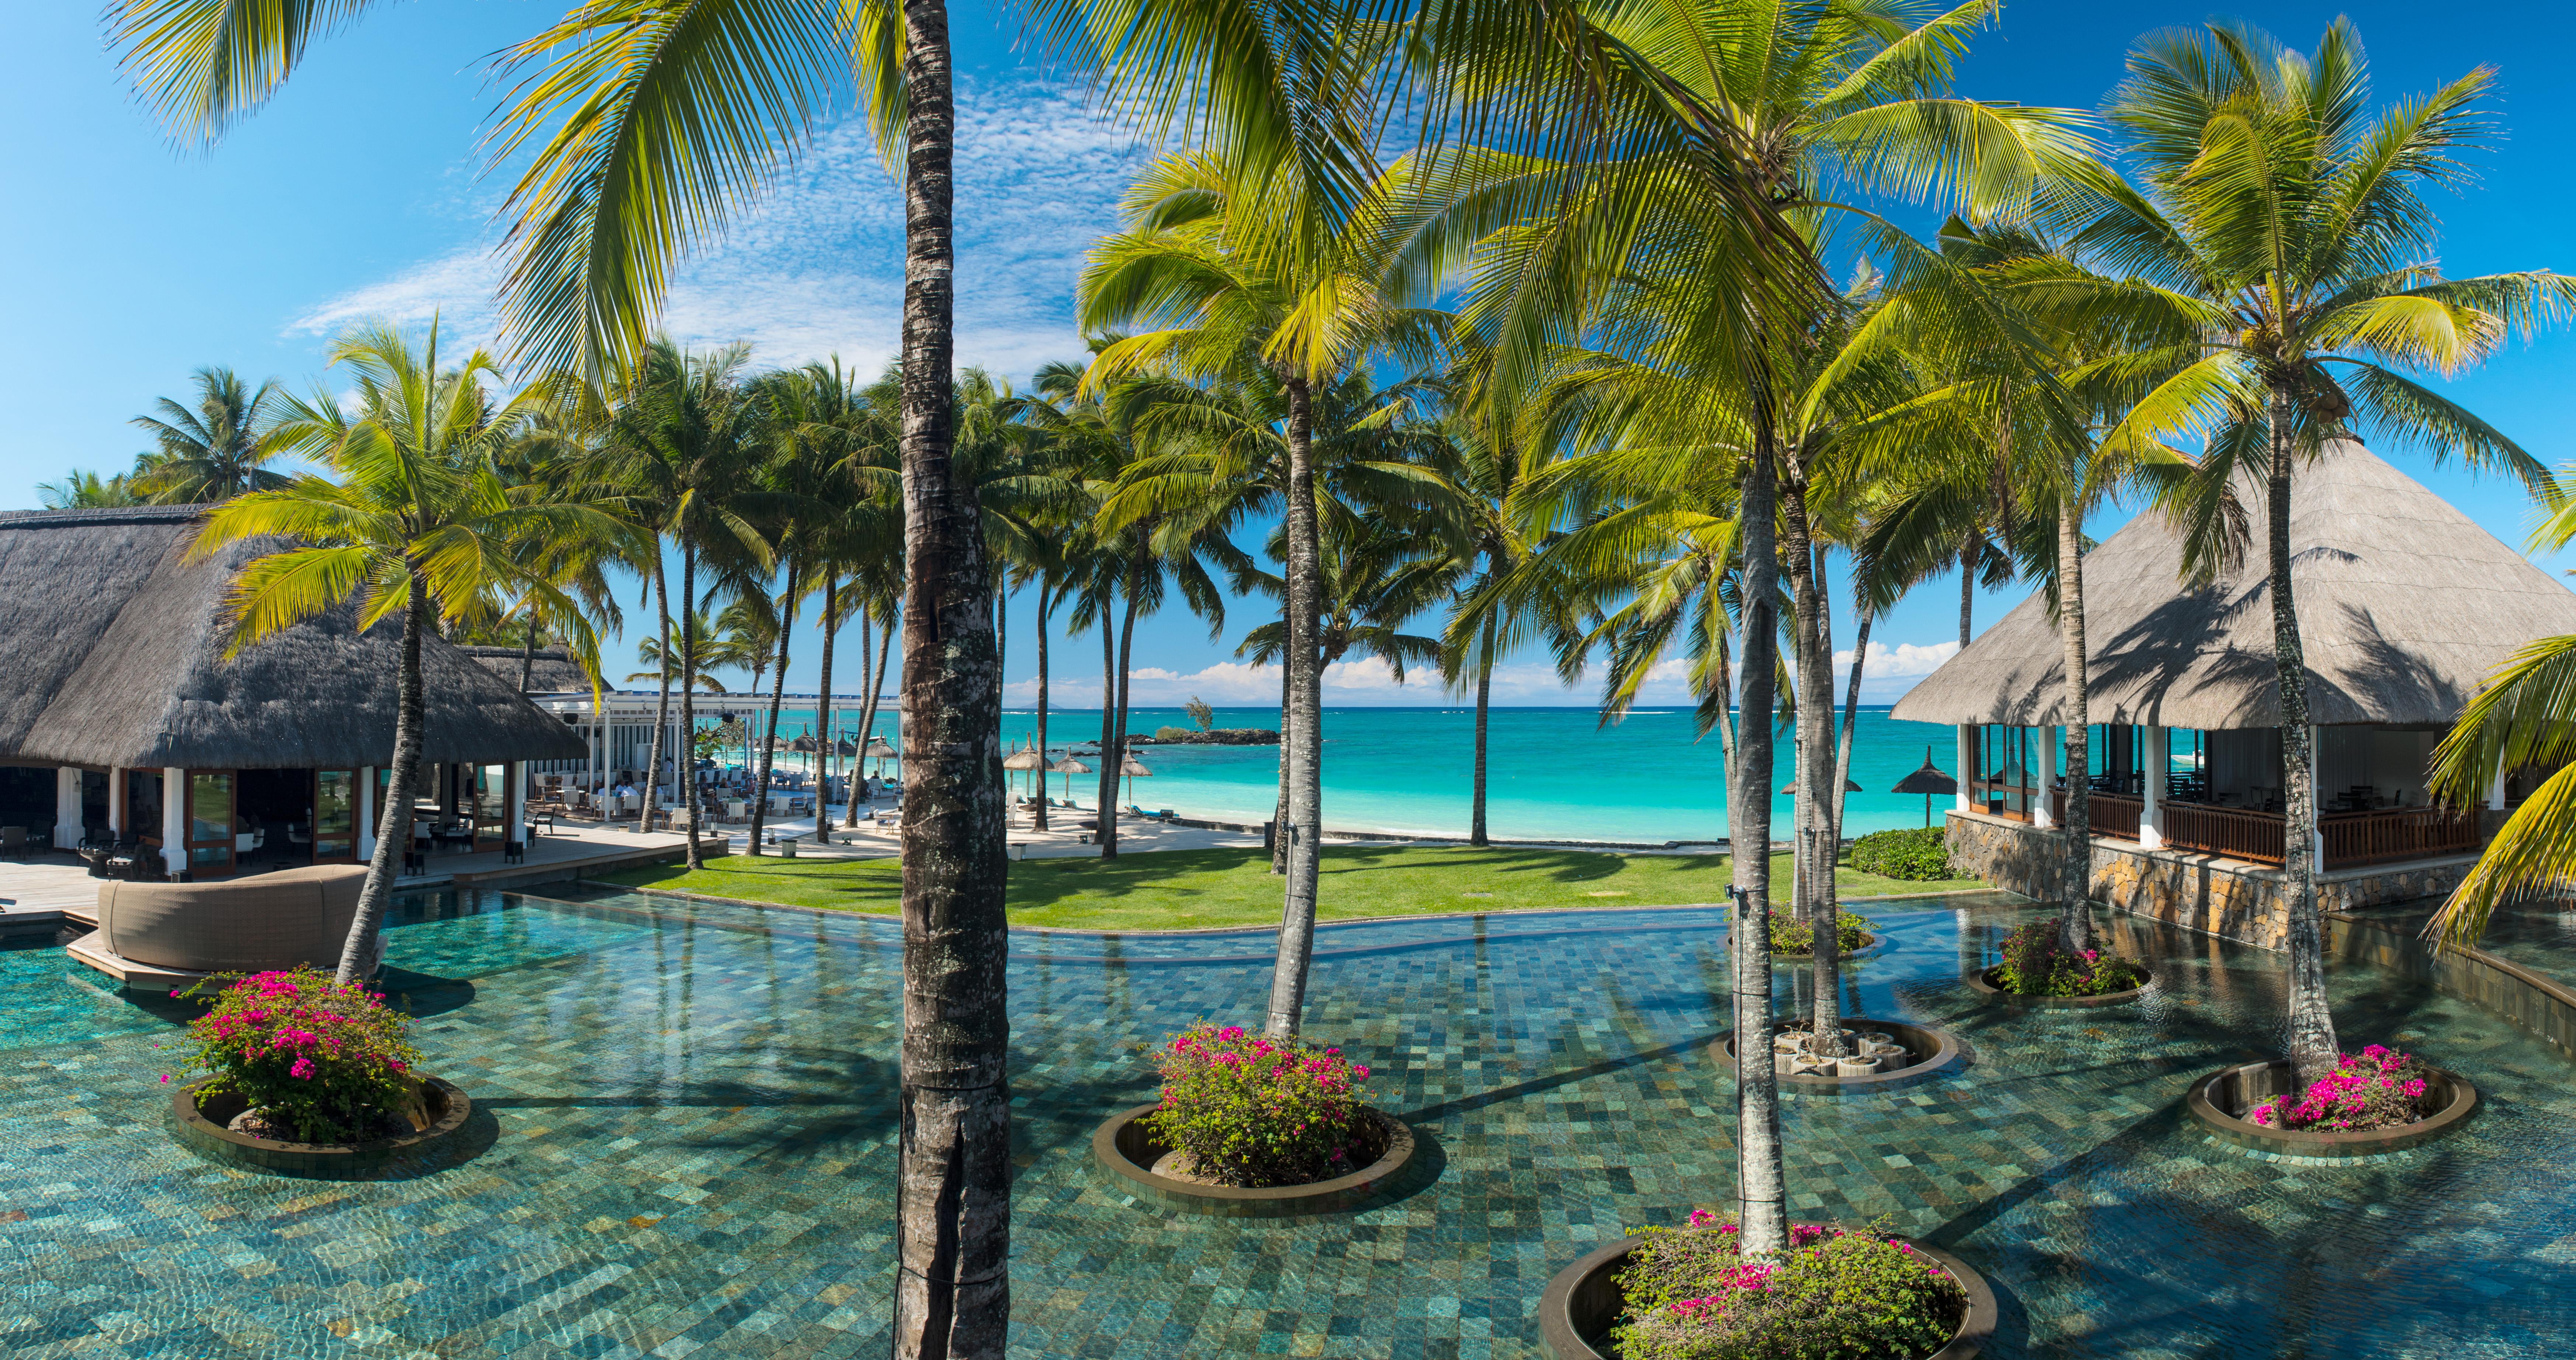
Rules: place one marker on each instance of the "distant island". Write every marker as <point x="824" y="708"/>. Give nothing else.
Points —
<point x="1223" y="736"/>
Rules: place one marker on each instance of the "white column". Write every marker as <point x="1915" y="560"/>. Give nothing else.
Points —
<point x="1967" y="767"/>
<point x="516" y="805"/>
<point x="2043" y="759"/>
<point x="116" y="799"/>
<point x="2151" y="811"/>
<point x="2495" y="790"/>
<point x="174" y="820"/>
<point x="366" y="813"/>
<point x="67" y="807"/>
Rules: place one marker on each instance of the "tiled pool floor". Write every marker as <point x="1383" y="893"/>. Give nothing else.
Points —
<point x="691" y="1116"/>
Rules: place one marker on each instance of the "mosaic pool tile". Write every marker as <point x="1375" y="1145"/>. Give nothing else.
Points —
<point x="690" y="1122"/>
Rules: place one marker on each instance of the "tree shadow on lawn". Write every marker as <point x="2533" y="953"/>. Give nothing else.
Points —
<point x="1041" y="883"/>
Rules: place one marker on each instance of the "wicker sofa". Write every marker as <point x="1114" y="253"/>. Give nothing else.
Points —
<point x="240" y="925"/>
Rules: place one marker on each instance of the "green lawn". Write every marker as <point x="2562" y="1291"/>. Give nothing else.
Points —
<point x="1179" y="889"/>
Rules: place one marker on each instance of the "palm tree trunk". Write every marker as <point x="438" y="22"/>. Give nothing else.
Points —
<point x="1815" y="855"/>
<point x="1045" y="607"/>
<point x="685" y="769"/>
<point x="1287" y="738"/>
<point x="823" y="700"/>
<point x="2313" y="1045"/>
<point x="777" y="698"/>
<point x="662" y="706"/>
<point x="1114" y="761"/>
<point x="1761" y="1178"/>
<point x="1969" y="557"/>
<point x="393" y="820"/>
<point x="1105" y="778"/>
<point x="528" y="655"/>
<point x="1304" y="746"/>
<point x="1484" y="704"/>
<point x="2076" y="928"/>
<point x="1843" y="749"/>
<point x="953" y="1186"/>
<point x="868" y="647"/>
<point x="868" y="710"/>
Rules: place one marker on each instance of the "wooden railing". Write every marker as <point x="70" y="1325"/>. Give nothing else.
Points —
<point x="2401" y="833"/>
<point x="2233" y="832"/>
<point x="2113" y="814"/>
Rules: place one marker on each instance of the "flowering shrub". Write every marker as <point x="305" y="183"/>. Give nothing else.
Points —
<point x="320" y="1060"/>
<point x="1789" y="935"/>
<point x="1917" y="854"/>
<point x="1833" y="1295"/>
<point x="1247" y="1111"/>
<point x="2035" y="964"/>
<point x="2377" y="1088"/>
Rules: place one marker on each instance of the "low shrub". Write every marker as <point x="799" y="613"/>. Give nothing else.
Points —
<point x="328" y="1063"/>
<point x="1249" y="1111"/>
<point x="2377" y="1088"/>
<point x="1790" y="935"/>
<point x="1834" y="1295"/>
<point x="1917" y="855"/>
<point x="2037" y="964"/>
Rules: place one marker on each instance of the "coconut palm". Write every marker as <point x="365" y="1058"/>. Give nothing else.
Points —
<point x="1373" y="585"/>
<point x="698" y="649"/>
<point x="2282" y="223"/>
<point x="419" y="524"/>
<point x="1243" y="272"/>
<point x="211" y="451"/>
<point x="79" y="490"/>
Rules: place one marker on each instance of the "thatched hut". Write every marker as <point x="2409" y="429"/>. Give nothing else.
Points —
<point x="123" y="718"/>
<point x="550" y="670"/>
<point x="2405" y="605"/>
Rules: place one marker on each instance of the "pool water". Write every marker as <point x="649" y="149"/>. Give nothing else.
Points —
<point x="690" y="1116"/>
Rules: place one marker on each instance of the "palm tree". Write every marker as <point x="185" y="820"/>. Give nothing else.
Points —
<point x="1243" y="271"/>
<point x="2282" y="225"/>
<point x="79" y="490"/>
<point x="697" y="649"/>
<point x="419" y="524"/>
<point x="1372" y="586"/>
<point x="213" y="451"/>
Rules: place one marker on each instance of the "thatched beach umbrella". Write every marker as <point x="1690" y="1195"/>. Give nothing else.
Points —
<point x="1132" y="767"/>
<point x="1792" y="787"/>
<point x="1028" y="758"/>
<point x="1069" y="767"/>
<point x="1927" y="781"/>
<point x="879" y="752"/>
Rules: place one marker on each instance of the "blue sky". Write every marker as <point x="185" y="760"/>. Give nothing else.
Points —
<point x="358" y="193"/>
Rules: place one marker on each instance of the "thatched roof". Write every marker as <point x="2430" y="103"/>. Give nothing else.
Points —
<point x="2404" y="603"/>
<point x="555" y="672"/>
<point x="113" y="642"/>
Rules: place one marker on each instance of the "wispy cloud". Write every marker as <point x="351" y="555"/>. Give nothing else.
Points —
<point x="815" y="267"/>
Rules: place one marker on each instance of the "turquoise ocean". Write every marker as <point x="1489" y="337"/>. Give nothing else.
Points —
<point x="1552" y="773"/>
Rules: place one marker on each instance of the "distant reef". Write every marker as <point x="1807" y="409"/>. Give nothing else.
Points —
<point x="1223" y="736"/>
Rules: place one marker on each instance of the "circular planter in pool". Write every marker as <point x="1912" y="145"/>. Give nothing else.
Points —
<point x="1931" y="1053"/>
<point x="1128" y="1150"/>
<point x="201" y="1127"/>
<point x="1870" y="944"/>
<point x="1984" y="981"/>
<point x="1581" y="1304"/>
<point x="2218" y="1102"/>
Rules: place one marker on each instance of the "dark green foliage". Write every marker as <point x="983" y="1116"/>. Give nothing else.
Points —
<point x="1834" y="1295"/>
<point x="2036" y="965"/>
<point x="1790" y="936"/>
<point x="1916" y="855"/>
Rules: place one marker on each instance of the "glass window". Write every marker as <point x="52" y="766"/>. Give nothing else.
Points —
<point x="335" y="813"/>
<point x="210" y="806"/>
<point x="143" y="804"/>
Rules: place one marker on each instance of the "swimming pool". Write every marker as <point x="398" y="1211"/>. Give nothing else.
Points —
<point x="690" y="1111"/>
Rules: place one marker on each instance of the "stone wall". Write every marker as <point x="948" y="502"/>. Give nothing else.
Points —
<point x="2215" y="896"/>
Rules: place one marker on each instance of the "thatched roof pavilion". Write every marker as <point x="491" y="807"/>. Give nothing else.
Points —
<point x="114" y="640"/>
<point x="2405" y="605"/>
<point x="553" y="671"/>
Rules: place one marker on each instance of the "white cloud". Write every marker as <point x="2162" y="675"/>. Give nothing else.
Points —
<point x="1906" y="659"/>
<point x="815" y="267"/>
